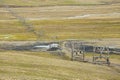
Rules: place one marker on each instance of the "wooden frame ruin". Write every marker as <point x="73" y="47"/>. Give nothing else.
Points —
<point x="103" y="53"/>
<point x="77" y="51"/>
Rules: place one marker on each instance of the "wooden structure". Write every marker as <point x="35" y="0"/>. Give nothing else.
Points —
<point x="77" y="51"/>
<point x="101" y="55"/>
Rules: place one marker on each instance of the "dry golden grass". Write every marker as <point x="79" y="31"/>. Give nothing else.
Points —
<point x="56" y="2"/>
<point x="58" y="12"/>
<point x="103" y="22"/>
<point x="63" y="29"/>
<point x="25" y="65"/>
<point x="42" y="65"/>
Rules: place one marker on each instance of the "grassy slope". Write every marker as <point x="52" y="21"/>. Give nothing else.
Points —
<point x="54" y="2"/>
<point x="40" y="66"/>
<point x="43" y="66"/>
<point x="63" y="29"/>
<point x="105" y="26"/>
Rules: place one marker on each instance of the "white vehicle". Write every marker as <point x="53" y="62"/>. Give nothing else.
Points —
<point x="54" y="45"/>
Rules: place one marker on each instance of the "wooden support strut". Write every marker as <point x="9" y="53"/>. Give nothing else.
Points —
<point x="72" y="50"/>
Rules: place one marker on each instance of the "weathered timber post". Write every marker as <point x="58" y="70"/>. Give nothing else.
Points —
<point x="72" y="50"/>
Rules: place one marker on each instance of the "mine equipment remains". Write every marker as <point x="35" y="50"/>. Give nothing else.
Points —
<point x="103" y="53"/>
<point x="78" y="52"/>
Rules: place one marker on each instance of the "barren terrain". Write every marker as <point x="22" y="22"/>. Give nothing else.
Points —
<point x="58" y="20"/>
